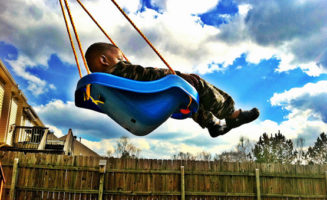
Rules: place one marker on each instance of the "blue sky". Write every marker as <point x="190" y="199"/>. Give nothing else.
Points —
<point x="266" y="54"/>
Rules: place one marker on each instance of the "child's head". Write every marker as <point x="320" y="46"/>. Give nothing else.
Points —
<point x="100" y="56"/>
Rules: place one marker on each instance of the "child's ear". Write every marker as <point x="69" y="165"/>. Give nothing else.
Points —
<point x="103" y="60"/>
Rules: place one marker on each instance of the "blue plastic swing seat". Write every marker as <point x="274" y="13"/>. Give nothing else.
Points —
<point x="138" y="106"/>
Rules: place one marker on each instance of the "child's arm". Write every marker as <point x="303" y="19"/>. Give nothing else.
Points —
<point x="137" y="72"/>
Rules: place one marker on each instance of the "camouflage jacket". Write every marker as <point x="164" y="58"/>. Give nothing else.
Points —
<point x="139" y="73"/>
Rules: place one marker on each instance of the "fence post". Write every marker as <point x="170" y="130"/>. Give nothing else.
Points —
<point x="2" y="180"/>
<point x="13" y="179"/>
<point x="326" y="179"/>
<point x="257" y="178"/>
<point x="1" y="188"/>
<point x="182" y="184"/>
<point x="102" y="171"/>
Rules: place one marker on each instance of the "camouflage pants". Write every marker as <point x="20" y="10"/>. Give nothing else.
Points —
<point x="214" y="103"/>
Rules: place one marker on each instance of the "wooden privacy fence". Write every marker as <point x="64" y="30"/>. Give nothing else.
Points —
<point x="45" y="176"/>
<point x="2" y="180"/>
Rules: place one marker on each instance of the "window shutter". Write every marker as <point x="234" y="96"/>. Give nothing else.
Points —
<point x="2" y="94"/>
<point x="12" y="120"/>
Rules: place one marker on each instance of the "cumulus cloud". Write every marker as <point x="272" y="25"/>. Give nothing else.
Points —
<point x="176" y="136"/>
<point x="292" y="31"/>
<point x="57" y="132"/>
<point x="150" y="148"/>
<point x="308" y="98"/>
<point x="307" y="106"/>
<point x="66" y="115"/>
<point x="35" y="84"/>
<point x="188" y="6"/>
<point x="164" y="148"/>
<point x="32" y="27"/>
<point x="288" y="30"/>
<point x="101" y="147"/>
<point x="83" y="122"/>
<point x="294" y="27"/>
<point x="37" y="30"/>
<point x="170" y="138"/>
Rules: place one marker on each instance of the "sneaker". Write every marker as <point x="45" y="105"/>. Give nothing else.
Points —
<point x="243" y="118"/>
<point x="217" y="129"/>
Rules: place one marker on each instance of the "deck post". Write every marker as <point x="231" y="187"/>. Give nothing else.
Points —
<point x="102" y="171"/>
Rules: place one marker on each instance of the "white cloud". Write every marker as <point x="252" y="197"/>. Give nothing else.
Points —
<point x="175" y="136"/>
<point x="37" y="30"/>
<point x="243" y="9"/>
<point x="309" y="90"/>
<point x="35" y="84"/>
<point x="309" y="98"/>
<point x="130" y="5"/>
<point x="57" y="132"/>
<point x="101" y="147"/>
<point x="52" y="86"/>
<point x="84" y="122"/>
<point x="308" y="111"/>
<point x="166" y="148"/>
<point x="187" y="7"/>
<point x="170" y="138"/>
<point x="295" y="29"/>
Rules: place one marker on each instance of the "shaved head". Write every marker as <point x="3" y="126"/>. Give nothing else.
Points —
<point x="95" y="51"/>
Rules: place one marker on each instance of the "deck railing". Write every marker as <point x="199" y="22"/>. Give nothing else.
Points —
<point x="30" y="134"/>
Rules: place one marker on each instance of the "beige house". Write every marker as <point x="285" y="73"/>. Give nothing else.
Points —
<point x="22" y="130"/>
<point x="14" y="109"/>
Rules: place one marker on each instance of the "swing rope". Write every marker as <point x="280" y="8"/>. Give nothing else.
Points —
<point x="103" y="31"/>
<point x="70" y="39"/>
<point x="184" y="111"/>
<point x="77" y="37"/>
<point x="88" y="87"/>
<point x="143" y="36"/>
<point x="81" y="50"/>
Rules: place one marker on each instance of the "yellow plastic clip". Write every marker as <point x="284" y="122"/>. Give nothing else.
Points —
<point x="96" y="101"/>
<point x="88" y="91"/>
<point x="87" y="95"/>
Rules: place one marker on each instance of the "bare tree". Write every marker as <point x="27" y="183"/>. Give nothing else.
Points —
<point x="241" y="153"/>
<point x="205" y="156"/>
<point x="125" y="149"/>
<point x="301" y="157"/>
<point x="109" y="153"/>
<point x="244" y="149"/>
<point x="184" y="156"/>
<point x="228" y="156"/>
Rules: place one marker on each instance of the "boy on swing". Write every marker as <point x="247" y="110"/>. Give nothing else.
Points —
<point x="214" y="103"/>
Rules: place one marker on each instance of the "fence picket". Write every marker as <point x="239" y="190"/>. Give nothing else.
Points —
<point x="44" y="176"/>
